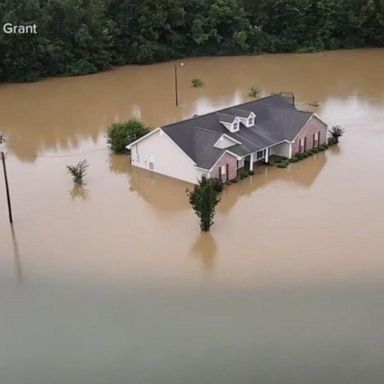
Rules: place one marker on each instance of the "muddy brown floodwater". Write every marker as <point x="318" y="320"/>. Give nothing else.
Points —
<point x="116" y="284"/>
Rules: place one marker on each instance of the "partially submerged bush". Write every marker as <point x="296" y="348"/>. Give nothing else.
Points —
<point x="282" y="165"/>
<point x="294" y="159"/>
<point x="251" y="173"/>
<point x="119" y="135"/>
<point x="336" y="132"/>
<point x="197" y="83"/>
<point x="254" y="91"/>
<point x="217" y="185"/>
<point x="314" y="150"/>
<point x="243" y="175"/>
<point x="78" y="171"/>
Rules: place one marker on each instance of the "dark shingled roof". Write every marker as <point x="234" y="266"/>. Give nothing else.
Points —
<point x="239" y="112"/>
<point x="276" y="120"/>
<point x="226" y="117"/>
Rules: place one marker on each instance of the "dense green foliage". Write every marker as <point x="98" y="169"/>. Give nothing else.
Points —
<point x="203" y="200"/>
<point x="119" y="135"/>
<point x="78" y="171"/>
<point x="84" y="36"/>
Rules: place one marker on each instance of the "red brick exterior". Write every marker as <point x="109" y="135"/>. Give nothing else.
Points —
<point x="313" y="126"/>
<point x="232" y="167"/>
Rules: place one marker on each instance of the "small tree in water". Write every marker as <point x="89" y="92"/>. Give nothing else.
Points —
<point x="336" y="132"/>
<point x="78" y="171"/>
<point x="204" y="199"/>
<point x="254" y="91"/>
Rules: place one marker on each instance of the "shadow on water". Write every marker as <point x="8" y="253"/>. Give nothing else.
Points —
<point x="17" y="258"/>
<point x="205" y="249"/>
<point x="169" y="195"/>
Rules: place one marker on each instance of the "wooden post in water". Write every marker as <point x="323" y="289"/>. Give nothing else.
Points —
<point x="7" y="188"/>
<point x="176" y="92"/>
<point x="176" y="84"/>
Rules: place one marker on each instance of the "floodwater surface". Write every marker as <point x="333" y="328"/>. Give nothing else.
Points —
<point x="114" y="283"/>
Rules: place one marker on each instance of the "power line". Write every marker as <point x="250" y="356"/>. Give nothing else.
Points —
<point x="61" y="156"/>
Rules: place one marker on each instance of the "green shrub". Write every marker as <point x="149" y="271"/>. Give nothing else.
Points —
<point x="282" y="165"/>
<point x="234" y="181"/>
<point x="243" y="175"/>
<point x="294" y="159"/>
<point x="251" y="173"/>
<point x="217" y="185"/>
<point x="305" y="154"/>
<point x="299" y="155"/>
<point x="119" y="135"/>
<point x="320" y="148"/>
<point x="197" y="83"/>
<point x="314" y="150"/>
<point x="254" y="91"/>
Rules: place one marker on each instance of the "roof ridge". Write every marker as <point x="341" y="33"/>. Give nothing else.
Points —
<point x="289" y="109"/>
<point x="206" y="129"/>
<point x="221" y="110"/>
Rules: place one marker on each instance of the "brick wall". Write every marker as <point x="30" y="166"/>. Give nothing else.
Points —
<point x="314" y="125"/>
<point x="232" y="167"/>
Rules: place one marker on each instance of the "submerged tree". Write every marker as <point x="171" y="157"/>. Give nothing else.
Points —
<point x="336" y="132"/>
<point x="203" y="200"/>
<point x="78" y="171"/>
<point x="119" y="135"/>
<point x="254" y="91"/>
<point x="197" y="83"/>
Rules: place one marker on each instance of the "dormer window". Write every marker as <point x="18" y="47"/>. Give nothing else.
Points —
<point x="247" y="118"/>
<point x="232" y="123"/>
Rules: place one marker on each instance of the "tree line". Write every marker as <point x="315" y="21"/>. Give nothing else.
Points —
<point x="77" y="37"/>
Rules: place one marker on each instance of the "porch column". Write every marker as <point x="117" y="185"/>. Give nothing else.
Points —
<point x="290" y="151"/>
<point x="251" y="162"/>
<point x="267" y="155"/>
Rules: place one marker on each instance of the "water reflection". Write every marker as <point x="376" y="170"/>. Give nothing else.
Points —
<point x="205" y="249"/>
<point x="61" y="114"/>
<point x="79" y="192"/>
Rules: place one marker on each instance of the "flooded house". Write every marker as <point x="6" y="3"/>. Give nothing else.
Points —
<point x="221" y="143"/>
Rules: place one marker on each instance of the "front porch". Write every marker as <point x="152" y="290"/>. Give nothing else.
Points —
<point x="262" y="156"/>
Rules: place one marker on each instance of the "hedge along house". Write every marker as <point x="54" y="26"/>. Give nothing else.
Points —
<point x="220" y="143"/>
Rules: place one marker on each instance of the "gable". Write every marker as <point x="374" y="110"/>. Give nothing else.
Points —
<point x="225" y="142"/>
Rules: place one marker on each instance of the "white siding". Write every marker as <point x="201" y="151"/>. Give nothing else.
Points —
<point x="160" y="154"/>
<point x="280" y="150"/>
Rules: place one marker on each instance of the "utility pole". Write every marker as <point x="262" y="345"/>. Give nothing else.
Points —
<point x="2" y="149"/>
<point x="176" y="85"/>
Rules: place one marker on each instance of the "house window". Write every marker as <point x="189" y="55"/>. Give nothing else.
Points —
<point x="316" y="139"/>
<point x="303" y="144"/>
<point x="151" y="165"/>
<point x="235" y="126"/>
<point x="260" y="154"/>
<point x="250" y="122"/>
<point x="223" y="173"/>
